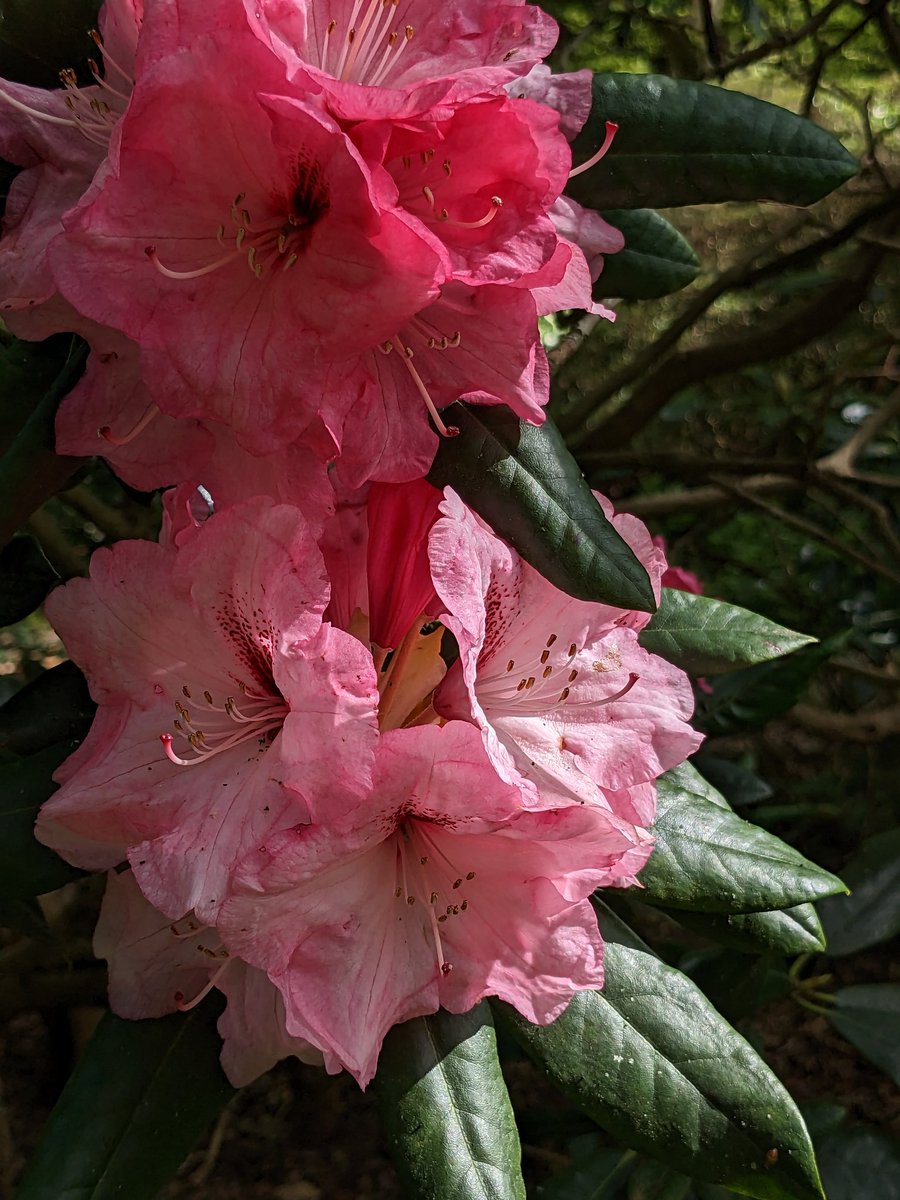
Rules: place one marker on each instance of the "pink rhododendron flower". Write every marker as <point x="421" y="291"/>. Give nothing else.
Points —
<point x="354" y="48"/>
<point x="567" y="700"/>
<point x="226" y="706"/>
<point x="436" y="890"/>
<point x="158" y="966"/>
<point x="59" y="138"/>
<point x="253" y="248"/>
<point x="480" y="344"/>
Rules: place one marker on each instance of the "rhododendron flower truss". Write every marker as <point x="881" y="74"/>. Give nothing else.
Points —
<point x="240" y="243"/>
<point x="567" y="700"/>
<point x="59" y="138"/>
<point x="350" y="47"/>
<point x="226" y="707"/>
<point x="159" y="966"/>
<point x="435" y="891"/>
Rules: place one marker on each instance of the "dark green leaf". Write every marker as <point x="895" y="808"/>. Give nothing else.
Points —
<point x="871" y="913"/>
<point x="745" y="699"/>
<point x="740" y="786"/>
<point x="652" y="1181"/>
<point x="654" y="1064"/>
<point x="140" y="1097"/>
<point x="26" y="867"/>
<point x="656" y="259"/>
<point x="38" y="38"/>
<point x="522" y="479"/>
<point x="739" y="984"/>
<point x="868" y="1015"/>
<point x="788" y="931"/>
<point x="691" y="143"/>
<point x="705" y="636"/>
<point x="54" y="707"/>
<point x="595" y="1173"/>
<point x="30" y="471"/>
<point x="445" y="1108"/>
<point x="25" y="579"/>
<point x="708" y="859"/>
<point x="861" y="1164"/>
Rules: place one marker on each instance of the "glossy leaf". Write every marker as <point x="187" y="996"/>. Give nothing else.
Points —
<point x="654" y="1064"/>
<point x="868" y="1015"/>
<point x="705" y="636"/>
<point x="446" y="1111"/>
<point x="140" y="1097"/>
<point x="30" y="471"/>
<point x="26" y="867"/>
<point x="788" y="931"/>
<point x="54" y="707"/>
<point x="681" y="142"/>
<point x="25" y="579"/>
<point x="708" y="859"/>
<point x="871" y="913"/>
<point x="525" y="483"/>
<point x="656" y="259"/>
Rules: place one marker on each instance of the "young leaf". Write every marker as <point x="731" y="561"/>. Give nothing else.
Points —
<point x="522" y="479"/>
<point x="868" y="1015"/>
<point x="871" y="913"/>
<point x="787" y="931"/>
<point x="446" y="1111"/>
<point x="26" y="867"/>
<point x="681" y="142"/>
<point x="705" y="636"/>
<point x="656" y="259"/>
<point x="707" y="859"/>
<point x="595" y="1173"/>
<point x="140" y="1097"/>
<point x="861" y="1164"/>
<point x="652" y="1181"/>
<point x="654" y="1064"/>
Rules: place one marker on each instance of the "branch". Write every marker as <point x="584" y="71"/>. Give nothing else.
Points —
<point x="842" y="462"/>
<point x="779" y="336"/>
<point x="853" y="727"/>
<point x="777" y="43"/>
<point x="666" y="504"/>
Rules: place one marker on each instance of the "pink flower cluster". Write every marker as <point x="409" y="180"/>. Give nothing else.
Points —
<point x="297" y="219"/>
<point x="354" y="759"/>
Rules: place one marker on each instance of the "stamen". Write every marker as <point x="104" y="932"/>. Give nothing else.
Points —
<point x="406" y="355"/>
<point x="150" y="251"/>
<point x="151" y="412"/>
<point x="186" y="1005"/>
<point x="611" y="131"/>
<point x="496" y="205"/>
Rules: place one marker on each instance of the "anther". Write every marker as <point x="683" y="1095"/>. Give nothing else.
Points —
<point x="573" y="650"/>
<point x="545" y="654"/>
<point x="510" y="665"/>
